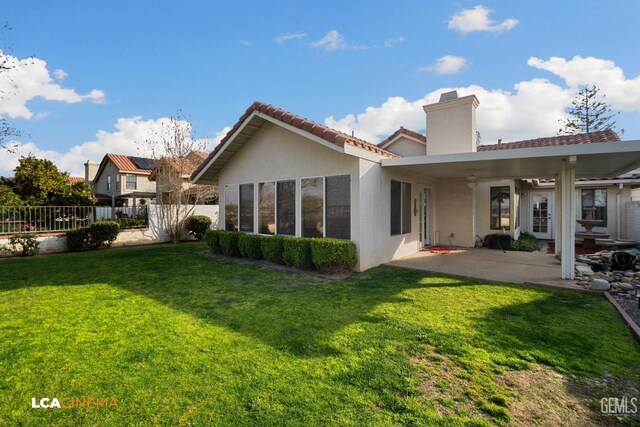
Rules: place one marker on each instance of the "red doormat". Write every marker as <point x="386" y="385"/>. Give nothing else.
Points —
<point x="551" y="249"/>
<point x="438" y="249"/>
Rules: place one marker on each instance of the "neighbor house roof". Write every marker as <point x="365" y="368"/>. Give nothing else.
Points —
<point x="607" y="135"/>
<point x="406" y="132"/>
<point x="187" y="166"/>
<point x="328" y="134"/>
<point x="130" y="164"/>
<point x="75" y="179"/>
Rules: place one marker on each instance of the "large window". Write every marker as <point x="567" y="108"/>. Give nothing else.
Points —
<point x="338" y="207"/>
<point x="500" y="208"/>
<point x="246" y="208"/>
<point x="286" y="208"/>
<point x="267" y="208"/>
<point x="594" y="205"/>
<point x="231" y="207"/>
<point x="400" y="208"/>
<point x="131" y="182"/>
<point x="312" y="207"/>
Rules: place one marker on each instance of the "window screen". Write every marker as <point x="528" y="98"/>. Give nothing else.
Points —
<point x="338" y="207"/>
<point x="312" y="201"/>
<point x="246" y="208"/>
<point x="267" y="208"/>
<point x="396" y="207"/>
<point x="231" y="207"/>
<point x="286" y="208"/>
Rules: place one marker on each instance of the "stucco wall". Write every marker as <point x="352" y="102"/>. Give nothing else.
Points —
<point x="406" y="147"/>
<point x="454" y="204"/>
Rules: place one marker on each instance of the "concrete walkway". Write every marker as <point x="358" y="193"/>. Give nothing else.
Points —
<point x="510" y="266"/>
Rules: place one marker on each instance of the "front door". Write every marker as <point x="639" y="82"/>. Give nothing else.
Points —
<point x="425" y="217"/>
<point x="541" y="214"/>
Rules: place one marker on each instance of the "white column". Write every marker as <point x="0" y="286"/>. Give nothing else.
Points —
<point x="557" y="214"/>
<point x="568" y="216"/>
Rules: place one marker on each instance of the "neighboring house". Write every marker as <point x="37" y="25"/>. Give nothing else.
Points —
<point x="172" y="173"/>
<point x="75" y="180"/>
<point x="121" y="180"/>
<point x="279" y="173"/>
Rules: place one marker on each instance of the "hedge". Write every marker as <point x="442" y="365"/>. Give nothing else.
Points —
<point x="297" y="252"/>
<point x="272" y="248"/>
<point x="76" y="239"/>
<point x="333" y="255"/>
<point x="229" y="242"/>
<point x="212" y="238"/>
<point x="198" y="225"/>
<point x="250" y="246"/>
<point x="97" y="235"/>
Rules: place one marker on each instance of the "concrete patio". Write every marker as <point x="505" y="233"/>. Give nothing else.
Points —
<point x="496" y="265"/>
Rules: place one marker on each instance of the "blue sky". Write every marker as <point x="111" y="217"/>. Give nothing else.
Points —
<point x="365" y="66"/>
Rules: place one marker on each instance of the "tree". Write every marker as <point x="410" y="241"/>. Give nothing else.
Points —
<point x="589" y="113"/>
<point x="38" y="182"/>
<point x="177" y="154"/>
<point x="7" y="64"/>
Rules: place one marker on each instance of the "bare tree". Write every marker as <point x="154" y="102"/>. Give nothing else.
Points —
<point x="177" y="153"/>
<point x="7" y="65"/>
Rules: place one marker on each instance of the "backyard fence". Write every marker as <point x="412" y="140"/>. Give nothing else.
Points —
<point x="53" y="219"/>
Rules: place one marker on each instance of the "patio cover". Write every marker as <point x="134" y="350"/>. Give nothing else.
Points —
<point x="563" y="163"/>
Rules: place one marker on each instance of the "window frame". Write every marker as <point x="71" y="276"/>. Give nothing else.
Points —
<point x="135" y="181"/>
<point x="108" y="182"/>
<point x="224" y="206"/>
<point x="499" y="227"/>
<point x="324" y="219"/>
<point x="325" y="203"/>
<point x="253" y="207"/>
<point x="275" y="208"/>
<point x="403" y="187"/>
<point x="593" y="190"/>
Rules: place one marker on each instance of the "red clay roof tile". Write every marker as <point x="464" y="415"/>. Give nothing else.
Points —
<point x="403" y="131"/>
<point x="607" y="135"/>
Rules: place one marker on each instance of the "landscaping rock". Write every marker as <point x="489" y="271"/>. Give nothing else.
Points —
<point x="600" y="285"/>
<point x="625" y="286"/>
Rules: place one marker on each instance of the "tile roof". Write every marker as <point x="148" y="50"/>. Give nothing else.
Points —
<point x="75" y="179"/>
<point x="403" y="131"/>
<point x="607" y="135"/>
<point x="328" y="134"/>
<point x="186" y="166"/>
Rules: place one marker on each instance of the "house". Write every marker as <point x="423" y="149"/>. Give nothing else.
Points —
<point x="281" y="174"/>
<point x="171" y="173"/>
<point x="121" y="180"/>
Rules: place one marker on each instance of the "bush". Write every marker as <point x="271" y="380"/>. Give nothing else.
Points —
<point x="272" y="248"/>
<point x="249" y="246"/>
<point x="198" y="225"/>
<point x="134" y="222"/>
<point x="212" y="238"/>
<point x="527" y="242"/>
<point x="24" y="244"/>
<point x="229" y="242"/>
<point x="297" y="252"/>
<point x="77" y="239"/>
<point x="333" y="255"/>
<point x="102" y="234"/>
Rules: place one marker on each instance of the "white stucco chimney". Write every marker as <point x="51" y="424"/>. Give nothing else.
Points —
<point x="90" y="170"/>
<point x="451" y="124"/>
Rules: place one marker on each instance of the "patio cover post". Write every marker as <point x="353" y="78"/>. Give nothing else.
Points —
<point x="568" y="220"/>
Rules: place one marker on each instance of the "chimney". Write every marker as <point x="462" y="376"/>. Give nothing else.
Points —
<point x="451" y="124"/>
<point x="90" y="170"/>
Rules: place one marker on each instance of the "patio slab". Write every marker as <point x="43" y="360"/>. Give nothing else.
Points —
<point x="495" y="265"/>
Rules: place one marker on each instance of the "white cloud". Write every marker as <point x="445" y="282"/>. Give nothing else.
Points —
<point x="129" y="137"/>
<point x="448" y="64"/>
<point x="477" y="19"/>
<point x="530" y="109"/>
<point x="30" y="79"/>
<point x="285" y="37"/>
<point x="393" y="42"/>
<point x="60" y="74"/>
<point x="333" y="40"/>
<point x="244" y="42"/>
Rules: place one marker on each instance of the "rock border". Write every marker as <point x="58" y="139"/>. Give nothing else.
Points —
<point x="634" y="327"/>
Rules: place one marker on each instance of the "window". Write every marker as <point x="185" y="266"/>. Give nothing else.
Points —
<point x="500" y="208"/>
<point x="594" y="205"/>
<point x="267" y="208"/>
<point x="400" y="208"/>
<point x="286" y="206"/>
<point x="246" y="208"/>
<point x="312" y="201"/>
<point x="118" y="188"/>
<point x="231" y="207"/>
<point x="109" y="183"/>
<point x="338" y="207"/>
<point x="131" y="182"/>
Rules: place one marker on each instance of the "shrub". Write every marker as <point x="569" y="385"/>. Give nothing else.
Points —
<point x="527" y="242"/>
<point x="213" y="240"/>
<point x="249" y="246"/>
<point x="77" y="239"/>
<point x="333" y="255"/>
<point x="229" y="242"/>
<point x="198" y="225"/>
<point x="272" y="248"/>
<point x="297" y="252"/>
<point x="24" y="244"/>
<point x="134" y="222"/>
<point x="102" y="234"/>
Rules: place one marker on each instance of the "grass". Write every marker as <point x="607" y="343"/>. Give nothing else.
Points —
<point x="181" y="338"/>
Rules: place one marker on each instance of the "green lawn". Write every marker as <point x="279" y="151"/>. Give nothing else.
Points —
<point x="182" y="338"/>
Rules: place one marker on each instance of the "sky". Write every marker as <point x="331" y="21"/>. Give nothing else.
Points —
<point x="93" y="77"/>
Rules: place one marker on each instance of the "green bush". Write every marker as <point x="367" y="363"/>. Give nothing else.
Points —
<point x="333" y="255"/>
<point x="527" y="242"/>
<point x="271" y="247"/>
<point x="249" y="246"/>
<point x="23" y="244"/>
<point x="198" y="225"/>
<point x="77" y="239"/>
<point x="134" y="222"/>
<point x="212" y="238"/>
<point x="229" y="242"/>
<point x="297" y="252"/>
<point x="102" y="234"/>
